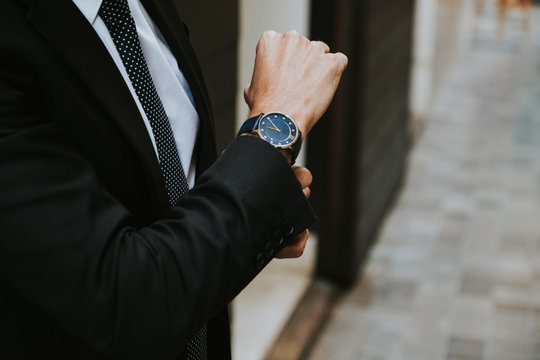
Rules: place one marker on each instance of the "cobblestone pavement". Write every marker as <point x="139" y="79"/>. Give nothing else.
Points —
<point x="456" y="271"/>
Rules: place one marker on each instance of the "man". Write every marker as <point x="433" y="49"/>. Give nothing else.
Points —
<point x="104" y="251"/>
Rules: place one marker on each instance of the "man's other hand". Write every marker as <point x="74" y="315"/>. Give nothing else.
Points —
<point x="294" y="76"/>
<point x="304" y="178"/>
<point x="296" y="248"/>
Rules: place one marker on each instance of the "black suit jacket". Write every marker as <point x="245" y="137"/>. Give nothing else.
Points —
<point x="93" y="262"/>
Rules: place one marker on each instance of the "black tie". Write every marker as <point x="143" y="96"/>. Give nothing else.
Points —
<point x="117" y="18"/>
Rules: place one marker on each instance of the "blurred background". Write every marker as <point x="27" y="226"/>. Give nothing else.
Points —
<point x="426" y="180"/>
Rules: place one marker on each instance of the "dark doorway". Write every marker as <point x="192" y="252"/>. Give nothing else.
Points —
<point x="358" y="153"/>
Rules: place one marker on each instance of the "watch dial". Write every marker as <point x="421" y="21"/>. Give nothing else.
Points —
<point x="278" y="130"/>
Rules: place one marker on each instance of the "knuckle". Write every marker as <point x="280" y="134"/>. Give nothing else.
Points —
<point x="309" y="174"/>
<point x="266" y="37"/>
<point x="343" y="59"/>
<point x="269" y="33"/>
<point x="320" y="44"/>
<point x="294" y="35"/>
<point x="337" y="62"/>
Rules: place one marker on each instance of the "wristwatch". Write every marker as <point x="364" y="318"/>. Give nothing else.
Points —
<point x="277" y="129"/>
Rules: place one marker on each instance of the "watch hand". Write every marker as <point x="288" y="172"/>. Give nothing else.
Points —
<point x="274" y="125"/>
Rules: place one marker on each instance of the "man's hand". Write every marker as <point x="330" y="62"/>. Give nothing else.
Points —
<point x="296" y="247"/>
<point x="297" y="77"/>
<point x="294" y="76"/>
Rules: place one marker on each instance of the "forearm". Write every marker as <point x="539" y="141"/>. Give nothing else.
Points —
<point x="294" y="76"/>
<point x="135" y="291"/>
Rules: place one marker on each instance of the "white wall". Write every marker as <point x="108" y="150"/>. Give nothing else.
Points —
<point x="425" y="35"/>
<point x="260" y="311"/>
<point x="256" y="16"/>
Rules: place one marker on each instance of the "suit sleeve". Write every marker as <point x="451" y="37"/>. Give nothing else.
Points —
<point x="73" y="251"/>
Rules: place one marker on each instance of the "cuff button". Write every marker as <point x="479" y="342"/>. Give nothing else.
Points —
<point x="289" y="228"/>
<point x="279" y="238"/>
<point x="260" y="261"/>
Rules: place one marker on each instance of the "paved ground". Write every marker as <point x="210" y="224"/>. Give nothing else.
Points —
<point x="456" y="272"/>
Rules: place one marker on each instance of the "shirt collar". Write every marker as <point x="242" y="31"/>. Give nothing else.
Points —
<point x="89" y="8"/>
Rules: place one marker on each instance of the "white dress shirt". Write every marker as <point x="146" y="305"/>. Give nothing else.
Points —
<point x="170" y="83"/>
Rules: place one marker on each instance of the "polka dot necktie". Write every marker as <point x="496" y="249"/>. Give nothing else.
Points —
<point x="117" y="18"/>
<point x="121" y="26"/>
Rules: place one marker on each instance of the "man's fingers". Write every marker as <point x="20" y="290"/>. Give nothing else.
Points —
<point x="295" y="36"/>
<point x="266" y="37"/>
<point x="342" y="60"/>
<point x="296" y="248"/>
<point x="303" y="175"/>
<point x="322" y="45"/>
<point x="304" y="178"/>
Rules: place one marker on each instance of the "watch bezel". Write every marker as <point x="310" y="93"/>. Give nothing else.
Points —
<point x="287" y="146"/>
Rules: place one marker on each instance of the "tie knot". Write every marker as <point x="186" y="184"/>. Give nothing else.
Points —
<point x="112" y="10"/>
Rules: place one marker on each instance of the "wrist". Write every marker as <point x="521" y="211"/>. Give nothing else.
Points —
<point x="277" y="129"/>
<point x="297" y="115"/>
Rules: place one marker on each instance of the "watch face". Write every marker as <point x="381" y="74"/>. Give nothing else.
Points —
<point x="278" y="129"/>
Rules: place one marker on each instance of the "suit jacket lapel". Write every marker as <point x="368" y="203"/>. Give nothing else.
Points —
<point x="165" y="15"/>
<point x="74" y="39"/>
